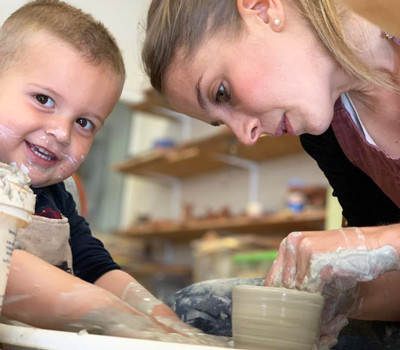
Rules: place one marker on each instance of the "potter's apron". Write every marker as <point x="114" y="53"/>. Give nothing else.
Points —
<point x="48" y="239"/>
<point x="376" y="163"/>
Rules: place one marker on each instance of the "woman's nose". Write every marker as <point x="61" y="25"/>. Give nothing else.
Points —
<point x="247" y="131"/>
<point x="60" y="128"/>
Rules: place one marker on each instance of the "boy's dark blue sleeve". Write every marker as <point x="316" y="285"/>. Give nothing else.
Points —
<point x="90" y="259"/>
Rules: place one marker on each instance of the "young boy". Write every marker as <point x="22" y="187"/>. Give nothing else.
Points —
<point x="61" y="73"/>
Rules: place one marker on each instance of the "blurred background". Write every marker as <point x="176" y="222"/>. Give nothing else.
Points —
<point x="177" y="201"/>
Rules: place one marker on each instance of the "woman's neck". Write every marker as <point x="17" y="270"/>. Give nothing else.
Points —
<point x="372" y="46"/>
<point x="378" y="107"/>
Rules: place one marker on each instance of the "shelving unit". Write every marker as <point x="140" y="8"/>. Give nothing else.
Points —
<point x="199" y="157"/>
<point x="194" y="158"/>
<point x="276" y="223"/>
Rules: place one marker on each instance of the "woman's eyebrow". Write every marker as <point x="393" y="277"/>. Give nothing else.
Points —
<point x="200" y="98"/>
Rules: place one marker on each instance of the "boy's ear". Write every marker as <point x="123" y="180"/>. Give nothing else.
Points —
<point x="269" y="11"/>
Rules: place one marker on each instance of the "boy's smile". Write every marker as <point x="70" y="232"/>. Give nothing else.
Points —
<point x="53" y="101"/>
<point x="41" y="156"/>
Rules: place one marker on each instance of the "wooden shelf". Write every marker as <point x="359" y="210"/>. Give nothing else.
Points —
<point x="195" y="158"/>
<point x="283" y="222"/>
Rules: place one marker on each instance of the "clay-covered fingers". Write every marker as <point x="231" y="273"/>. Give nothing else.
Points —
<point x="334" y="326"/>
<point x="329" y="332"/>
<point x="291" y="264"/>
<point x="326" y="342"/>
<point x="274" y="276"/>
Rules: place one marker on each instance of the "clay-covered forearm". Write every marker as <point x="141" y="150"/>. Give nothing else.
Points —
<point x="131" y="291"/>
<point x="388" y="235"/>
<point x="44" y="296"/>
<point x="379" y="299"/>
<point x="134" y="294"/>
<point x="115" y="282"/>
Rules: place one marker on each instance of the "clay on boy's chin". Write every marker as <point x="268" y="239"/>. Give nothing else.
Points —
<point x="23" y="168"/>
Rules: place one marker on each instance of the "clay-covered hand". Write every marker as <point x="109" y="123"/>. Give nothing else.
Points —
<point x="333" y="263"/>
<point x="329" y="332"/>
<point x="141" y="299"/>
<point x="125" y="321"/>
<point x="59" y="301"/>
<point x="108" y="315"/>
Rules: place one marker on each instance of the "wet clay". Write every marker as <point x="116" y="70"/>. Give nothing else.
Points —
<point x="275" y="318"/>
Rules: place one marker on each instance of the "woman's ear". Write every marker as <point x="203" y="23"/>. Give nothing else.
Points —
<point x="269" y="11"/>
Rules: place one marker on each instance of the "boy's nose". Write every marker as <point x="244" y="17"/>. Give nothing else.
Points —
<point x="61" y="130"/>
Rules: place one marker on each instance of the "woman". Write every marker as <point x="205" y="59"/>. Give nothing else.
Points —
<point x="313" y="69"/>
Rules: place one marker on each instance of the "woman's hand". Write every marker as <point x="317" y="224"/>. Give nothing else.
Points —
<point x="327" y="261"/>
<point x="333" y="263"/>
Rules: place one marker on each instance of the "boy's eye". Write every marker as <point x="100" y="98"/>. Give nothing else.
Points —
<point x="222" y="95"/>
<point x="85" y="123"/>
<point x="45" y="100"/>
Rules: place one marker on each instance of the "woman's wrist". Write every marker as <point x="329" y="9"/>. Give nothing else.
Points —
<point x="378" y="299"/>
<point x="388" y="236"/>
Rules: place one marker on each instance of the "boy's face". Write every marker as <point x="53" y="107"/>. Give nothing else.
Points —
<point x="52" y="104"/>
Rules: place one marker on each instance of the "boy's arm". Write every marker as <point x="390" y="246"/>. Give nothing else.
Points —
<point x="42" y="295"/>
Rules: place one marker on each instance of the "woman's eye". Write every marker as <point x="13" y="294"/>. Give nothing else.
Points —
<point x="85" y="123"/>
<point x="222" y="95"/>
<point x="45" y="100"/>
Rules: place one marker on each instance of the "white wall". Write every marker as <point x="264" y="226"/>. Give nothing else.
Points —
<point x="230" y="187"/>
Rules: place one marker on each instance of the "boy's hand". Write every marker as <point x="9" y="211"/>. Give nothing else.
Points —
<point x="141" y="299"/>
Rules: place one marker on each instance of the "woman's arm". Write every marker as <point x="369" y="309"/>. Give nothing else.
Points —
<point x="335" y="263"/>
<point x="379" y="300"/>
<point x="356" y="269"/>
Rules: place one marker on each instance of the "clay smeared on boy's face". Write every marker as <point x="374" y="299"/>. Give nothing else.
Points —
<point x="52" y="104"/>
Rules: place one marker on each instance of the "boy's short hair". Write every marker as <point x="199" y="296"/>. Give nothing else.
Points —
<point x="64" y="22"/>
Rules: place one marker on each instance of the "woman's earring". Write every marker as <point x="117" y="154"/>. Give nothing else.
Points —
<point x="277" y="21"/>
<point x="389" y="36"/>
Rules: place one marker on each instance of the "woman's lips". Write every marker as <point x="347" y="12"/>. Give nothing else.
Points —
<point x="284" y="127"/>
<point x="289" y="127"/>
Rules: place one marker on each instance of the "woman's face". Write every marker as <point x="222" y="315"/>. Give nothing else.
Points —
<point x="267" y="81"/>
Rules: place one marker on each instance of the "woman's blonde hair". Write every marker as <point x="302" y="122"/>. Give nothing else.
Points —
<point x="64" y="22"/>
<point x="183" y="25"/>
